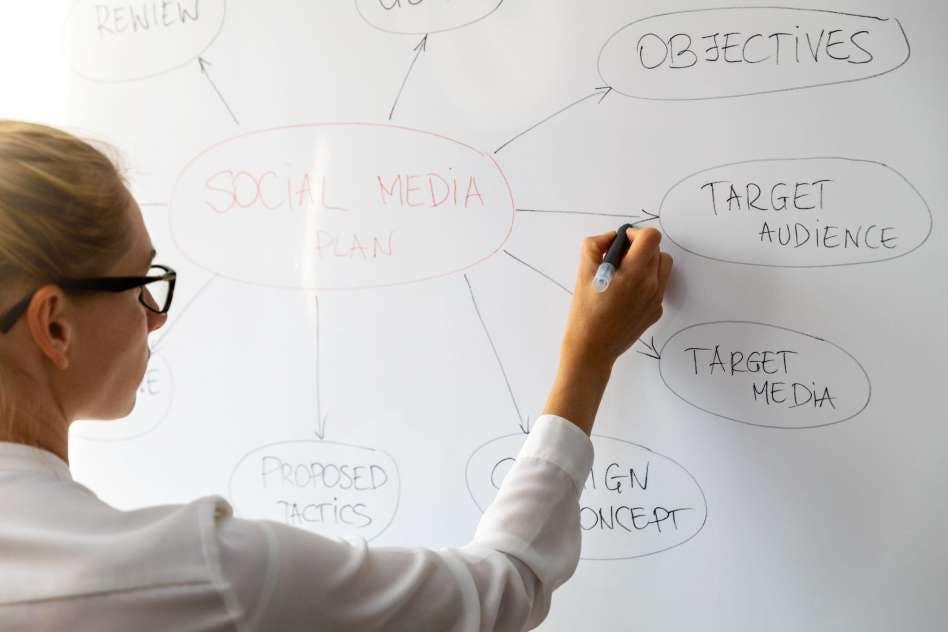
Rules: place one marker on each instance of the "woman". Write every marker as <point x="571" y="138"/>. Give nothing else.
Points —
<point x="79" y="296"/>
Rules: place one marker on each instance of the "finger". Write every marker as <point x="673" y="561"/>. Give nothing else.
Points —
<point x="649" y="269"/>
<point x="645" y="242"/>
<point x="599" y="244"/>
<point x="665" y="263"/>
<point x="593" y="249"/>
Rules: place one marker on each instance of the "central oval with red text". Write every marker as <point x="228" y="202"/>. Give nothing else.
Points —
<point x="340" y="206"/>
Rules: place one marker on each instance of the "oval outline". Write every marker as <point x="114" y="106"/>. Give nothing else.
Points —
<point x="931" y="219"/>
<point x="190" y="60"/>
<point x="503" y="176"/>
<point x="908" y="52"/>
<point x="771" y="326"/>
<point x="704" y="498"/>
<point x="398" y="491"/>
<point x="453" y="28"/>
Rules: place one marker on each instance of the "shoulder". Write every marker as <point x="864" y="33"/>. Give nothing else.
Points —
<point x="84" y="546"/>
<point x="177" y="543"/>
<point x="66" y="551"/>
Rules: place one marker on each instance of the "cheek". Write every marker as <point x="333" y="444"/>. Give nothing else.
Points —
<point x="130" y="345"/>
<point x="124" y="338"/>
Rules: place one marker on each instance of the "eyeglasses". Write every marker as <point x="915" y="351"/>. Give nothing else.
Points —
<point x="156" y="291"/>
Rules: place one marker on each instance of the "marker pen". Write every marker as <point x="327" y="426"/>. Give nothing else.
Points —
<point x="620" y="245"/>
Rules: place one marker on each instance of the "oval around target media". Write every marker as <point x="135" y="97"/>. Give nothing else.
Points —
<point x="764" y="375"/>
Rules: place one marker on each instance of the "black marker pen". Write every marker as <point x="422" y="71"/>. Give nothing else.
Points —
<point x="620" y="245"/>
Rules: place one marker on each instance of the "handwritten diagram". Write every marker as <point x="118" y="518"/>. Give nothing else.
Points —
<point x="120" y="42"/>
<point x="636" y="502"/>
<point x="773" y="213"/>
<point x="397" y="217"/>
<point x="335" y="206"/>
<point x="748" y="50"/>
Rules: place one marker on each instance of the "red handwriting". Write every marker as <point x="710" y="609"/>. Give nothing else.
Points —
<point x="431" y="190"/>
<point x="353" y="246"/>
<point x="243" y="189"/>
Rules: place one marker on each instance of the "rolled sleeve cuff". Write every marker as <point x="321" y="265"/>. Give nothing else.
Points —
<point x="562" y="443"/>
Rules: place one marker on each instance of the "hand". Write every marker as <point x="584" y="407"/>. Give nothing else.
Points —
<point x="602" y="326"/>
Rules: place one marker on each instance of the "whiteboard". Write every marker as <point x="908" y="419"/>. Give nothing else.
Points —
<point x="375" y="208"/>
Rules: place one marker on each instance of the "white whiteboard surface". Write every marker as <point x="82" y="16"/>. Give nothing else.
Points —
<point x="375" y="216"/>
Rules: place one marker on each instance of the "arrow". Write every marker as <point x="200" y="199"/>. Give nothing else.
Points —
<point x="204" y="64"/>
<point x="601" y="92"/>
<point x="648" y="216"/>
<point x="320" y="430"/>
<point x="496" y="355"/>
<point x="652" y="350"/>
<point x="421" y="47"/>
<point x="541" y="273"/>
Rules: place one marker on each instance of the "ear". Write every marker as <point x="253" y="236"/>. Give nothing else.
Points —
<point x="51" y="331"/>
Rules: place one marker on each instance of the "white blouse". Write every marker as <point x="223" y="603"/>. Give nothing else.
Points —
<point x="69" y="561"/>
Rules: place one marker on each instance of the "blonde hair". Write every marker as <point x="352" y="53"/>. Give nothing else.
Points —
<point x="63" y="205"/>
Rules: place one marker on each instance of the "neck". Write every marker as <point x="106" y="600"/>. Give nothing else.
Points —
<point x="58" y="445"/>
<point x="36" y="430"/>
<point x="31" y="409"/>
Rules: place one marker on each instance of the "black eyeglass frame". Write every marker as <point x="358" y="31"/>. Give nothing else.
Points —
<point x="99" y="284"/>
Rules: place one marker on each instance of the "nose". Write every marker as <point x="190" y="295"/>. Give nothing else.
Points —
<point x="155" y="320"/>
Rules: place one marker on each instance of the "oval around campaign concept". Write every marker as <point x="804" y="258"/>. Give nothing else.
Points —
<point x="423" y="17"/>
<point x="797" y="213"/>
<point x="740" y="51"/>
<point x="635" y="502"/>
<point x="764" y="375"/>
<point x="331" y="488"/>
<point x="115" y="40"/>
<point x="340" y="206"/>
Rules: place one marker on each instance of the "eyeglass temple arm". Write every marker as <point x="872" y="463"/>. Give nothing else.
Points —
<point x="14" y="314"/>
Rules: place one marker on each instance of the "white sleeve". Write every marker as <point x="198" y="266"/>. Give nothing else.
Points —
<point x="526" y="545"/>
